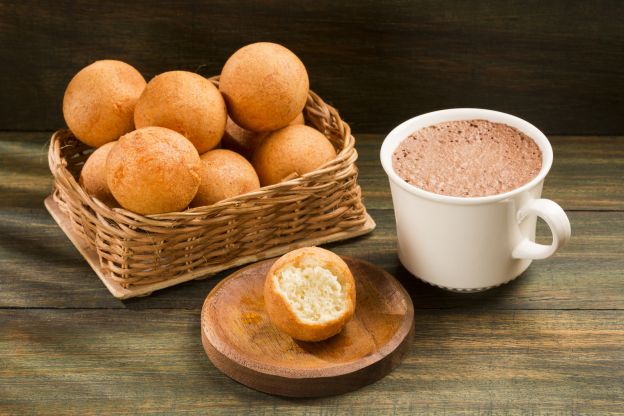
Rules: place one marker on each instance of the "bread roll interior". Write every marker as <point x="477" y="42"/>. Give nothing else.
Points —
<point x="313" y="292"/>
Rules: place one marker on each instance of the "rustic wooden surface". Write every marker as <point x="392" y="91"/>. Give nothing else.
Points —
<point x="550" y="342"/>
<point x="558" y="63"/>
<point x="240" y="340"/>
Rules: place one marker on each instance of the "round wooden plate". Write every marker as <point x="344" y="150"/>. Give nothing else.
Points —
<point x="241" y="341"/>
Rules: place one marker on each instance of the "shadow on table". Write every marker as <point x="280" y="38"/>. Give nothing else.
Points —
<point x="426" y="296"/>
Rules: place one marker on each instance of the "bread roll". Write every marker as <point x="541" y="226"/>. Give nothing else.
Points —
<point x="265" y="86"/>
<point x="291" y="151"/>
<point x="245" y="142"/>
<point x="224" y="174"/>
<point x="309" y="294"/>
<point x="93" y="175"/>
<point x="99" y="101"/>
<point x="187" y="103"/>
<point x="240" y="140"/>
<point x="153" y="170"/>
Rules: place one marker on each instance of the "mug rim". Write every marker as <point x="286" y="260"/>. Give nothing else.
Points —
<point x="396" y="136"/>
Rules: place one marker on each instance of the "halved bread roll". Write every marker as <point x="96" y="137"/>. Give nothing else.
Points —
<point x="309" y="294"/>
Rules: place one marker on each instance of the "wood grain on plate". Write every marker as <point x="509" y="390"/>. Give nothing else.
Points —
<point x="555" y="63"/>
<point x="240" y="340"/>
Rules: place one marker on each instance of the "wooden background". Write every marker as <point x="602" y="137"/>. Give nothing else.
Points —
<point x="551" y="342"/>
<point x="558" y="64"/>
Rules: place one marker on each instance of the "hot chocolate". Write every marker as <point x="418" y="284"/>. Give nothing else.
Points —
<point x="468" y="158"/>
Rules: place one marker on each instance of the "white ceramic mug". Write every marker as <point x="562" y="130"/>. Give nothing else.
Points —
<point x="472" y="244"/>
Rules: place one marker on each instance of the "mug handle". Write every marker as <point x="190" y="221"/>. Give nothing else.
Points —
<point x="559" y="225"/>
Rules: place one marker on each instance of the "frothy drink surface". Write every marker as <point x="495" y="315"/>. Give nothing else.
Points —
<point x="468" y="158"/>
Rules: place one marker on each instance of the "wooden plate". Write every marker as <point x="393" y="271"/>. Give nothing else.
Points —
<point x="241" y="341"/>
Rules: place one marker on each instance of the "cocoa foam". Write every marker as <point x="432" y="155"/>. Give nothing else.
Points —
<point x="468" y="158"/>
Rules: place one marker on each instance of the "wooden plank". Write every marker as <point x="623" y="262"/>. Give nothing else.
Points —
<point x="41" y="268"/>
<point x="469" y="360"/>
<point x="555" y="63"/>
<point x="25" y="177"/>
<point x="588" y="172"/>
<point x="586" y="274"/>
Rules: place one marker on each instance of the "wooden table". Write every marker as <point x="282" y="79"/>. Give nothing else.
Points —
<point x="551" y="342"/>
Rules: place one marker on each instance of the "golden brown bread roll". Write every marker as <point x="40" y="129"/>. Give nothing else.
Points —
<point x="293" y="150"/>
<point x="187" y="103"/>
<point x="224" y="174"/>
<point x="309" y="294"/>
<point x="153" y="170"/>
<point x="245" y="142"/>
<point x="240" y="140"/>
<point x="265" y="86"/>
<point x="93" y="175"/>
<point x="99" y="101"/>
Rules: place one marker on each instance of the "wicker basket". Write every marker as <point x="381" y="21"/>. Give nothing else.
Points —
<point x="137" y="254"/>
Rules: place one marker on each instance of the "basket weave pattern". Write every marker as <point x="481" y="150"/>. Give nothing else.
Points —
<point x="135" y="249"/>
